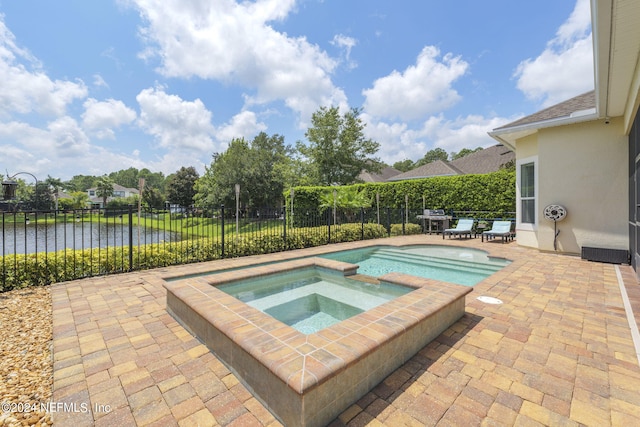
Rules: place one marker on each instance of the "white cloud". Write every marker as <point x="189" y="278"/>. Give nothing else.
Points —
<point x="180" y="125"/>
<point x="101" y="117"/>
<point x="242" y="125"/>
<point x="346" y="43"/>
<point x="173" y="160"/>
<point x="62" y="137"/>
<point x="465" y="132"/>
<point x="66" y="138"/>
<point x="25" y="91"/>
<point x="421" y="89"/>
<point x="98" y="81"/>
<point x="233" y="42"/>
<point x="60" y="147"/>
<point x="565" y="68"/>
<point x="174" y="122"/>
<point x="398" y="141"/>
<point x="60" y="150"/>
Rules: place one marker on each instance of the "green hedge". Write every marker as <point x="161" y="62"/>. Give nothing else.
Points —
<point x="409" y="228"/>
<point x="493" y="192"/>
<point x="21" y="270"/>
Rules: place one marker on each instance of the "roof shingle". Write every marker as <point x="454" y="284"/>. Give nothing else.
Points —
<point x="582" y="102"/>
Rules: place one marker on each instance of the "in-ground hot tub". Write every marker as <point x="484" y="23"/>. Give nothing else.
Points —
<point x="308" y="379"/>
<point x="311" y="299"/>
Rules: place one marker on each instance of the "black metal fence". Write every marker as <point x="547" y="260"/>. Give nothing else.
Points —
<point x="42" y="247"/>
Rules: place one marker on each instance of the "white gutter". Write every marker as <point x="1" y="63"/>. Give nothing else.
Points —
<point x="582" y="116"/>
<point x="601" y="35"/>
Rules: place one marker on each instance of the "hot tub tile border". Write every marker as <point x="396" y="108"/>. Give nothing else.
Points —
<point x="303" y="362"/>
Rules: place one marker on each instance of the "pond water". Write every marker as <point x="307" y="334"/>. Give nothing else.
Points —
<point x="20" y="238"/>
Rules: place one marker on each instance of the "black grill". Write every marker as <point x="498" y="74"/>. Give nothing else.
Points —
<point x="614" y="256"/>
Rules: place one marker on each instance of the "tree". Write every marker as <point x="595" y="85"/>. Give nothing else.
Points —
<point x="131" y="178"/>
<point x="262" y="168"/>
<point x="153" y="197"/>
<point x="126" y="177"/>
<point x="23" y="191"/>
<point x="104" y="189"/>
<point x="269" y="157"/>
<point x="463" y="152"/>
<point x="432" y="156"/>
<point x="78" y="200"/>
<point x="122" y="203"/>
<point x="55" y="184"/>
<point x="348" y="199"/>
<point x="403" y="165"/>
<point x="181" y="186"/>
<point x="41" y="198"/>
<point x="36" y="197"/>
<point x="155" y="180"/>
<point x="337" y="146"/>
<point x="81" y="182"/>
<point x="217" y="185"/>
<point x="294" y="171"/>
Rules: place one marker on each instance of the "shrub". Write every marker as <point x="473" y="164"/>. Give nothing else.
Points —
<point x="20" y="271"/>
<point x="409" y="228"/>
<point x="493" y="192"/>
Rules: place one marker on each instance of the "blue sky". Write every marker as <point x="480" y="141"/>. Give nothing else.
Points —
<point x="94" y="87"/>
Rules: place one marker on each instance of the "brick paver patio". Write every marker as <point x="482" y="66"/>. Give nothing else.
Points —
<point x="558" y="351"/>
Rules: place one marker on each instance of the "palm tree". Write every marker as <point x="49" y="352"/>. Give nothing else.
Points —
<point x="347" y="198"/>
<point x="104" y="189"/>
<point x="80" y="199"/>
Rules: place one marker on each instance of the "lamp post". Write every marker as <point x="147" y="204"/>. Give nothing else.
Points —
<point x="10" y="185"/>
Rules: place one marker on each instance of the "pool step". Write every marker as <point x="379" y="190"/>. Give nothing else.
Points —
<point x="432" y="264"/>
<point x="427" y="261"/>
<point x="493" y="265"/>
<point x="364" y="278"/>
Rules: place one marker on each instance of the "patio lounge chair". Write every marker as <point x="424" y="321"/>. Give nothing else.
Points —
<point x="463" y="227"/>
<point x="499" y="228"/>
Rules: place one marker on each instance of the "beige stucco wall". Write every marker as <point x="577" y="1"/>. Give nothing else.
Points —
<point x="584" y="168"/>
<point x="527" y="148"/>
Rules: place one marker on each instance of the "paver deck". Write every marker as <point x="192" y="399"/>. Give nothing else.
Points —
<point x="558" y="351"/>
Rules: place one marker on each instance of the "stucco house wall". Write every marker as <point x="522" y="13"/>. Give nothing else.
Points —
<point x="583" y="167"/>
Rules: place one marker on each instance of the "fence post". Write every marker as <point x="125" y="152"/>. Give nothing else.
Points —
<point x="130" y="237"/>
<point x="361" y="223"/>
<point x="222" y="233"/>
<point x="388" y="222"/>
<point x="402" y="213"/>
<point x="284" y="229"/>
<point x="328" y="227"/>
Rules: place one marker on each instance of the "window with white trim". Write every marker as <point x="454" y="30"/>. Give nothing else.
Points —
<point x="527" y="193"/>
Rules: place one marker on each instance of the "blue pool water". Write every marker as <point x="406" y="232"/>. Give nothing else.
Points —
<point x="445" y="263"/>
<point x="311" y="299"/>
<point x="463" y="266"/>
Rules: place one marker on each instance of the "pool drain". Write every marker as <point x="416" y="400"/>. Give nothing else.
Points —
<point x="489" y="300"/>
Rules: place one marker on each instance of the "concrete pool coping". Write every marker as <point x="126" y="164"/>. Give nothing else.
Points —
<point x="308" y="380"/>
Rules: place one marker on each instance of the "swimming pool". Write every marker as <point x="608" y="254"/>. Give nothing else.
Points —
<point x="452" y="264"/>
<point x="311" y="299"/>
<point x="458" y="265"/>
